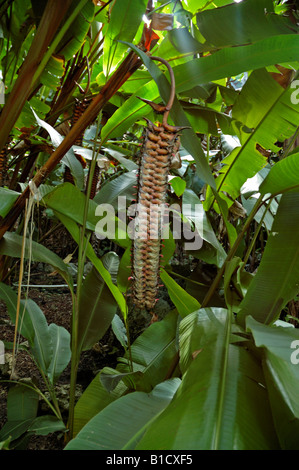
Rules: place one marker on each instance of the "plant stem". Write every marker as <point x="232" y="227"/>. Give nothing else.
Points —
<point x="83" y="244"/>
<point x="231" y="253"/>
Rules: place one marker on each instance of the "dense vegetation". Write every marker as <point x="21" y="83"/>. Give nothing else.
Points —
<point x="220" y="368"/>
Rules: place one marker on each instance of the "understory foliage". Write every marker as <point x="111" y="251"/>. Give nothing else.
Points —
<point x="219" y="370"/>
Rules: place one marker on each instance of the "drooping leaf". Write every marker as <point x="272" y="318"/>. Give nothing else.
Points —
<point x="73" y="228"/>
<point x="119" y="330"/>
<point x="275" y="120"/>
<point x="282" y="176"/>
<point x="7" y="200"/>
<point x="97" y="305"/>
<point x="193" y="210"/>
<point x="188" y="138"/>
<point x="61" y="351"/>
<point x="11" y="245"/>
<point x="277" y="279"/>
<point x="125" y="18"/>
<point x="122" y="423"/>
<point x="25" y="327"/>
<point x="220" y="403"/>
<point x="282" y="377"/>
<point x="117" y="187"/>
<point x="154" y="352"/>
<point x="242" y="23"/>
<point x="47" y="424"/>
<point x="94" y="399"/>
<point x="22" y="405"/>
<point x="232" y="61"/>
<point x="42" y="347"/>
<point x="69" y="158"/>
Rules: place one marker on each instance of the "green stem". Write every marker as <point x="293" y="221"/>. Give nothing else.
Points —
<point x="83" y="246"/>
<point x="250" y="248"/>
<point x="232" y="252"/>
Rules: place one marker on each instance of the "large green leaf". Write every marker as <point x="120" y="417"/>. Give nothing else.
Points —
<point x="61" y="355"/>
<point x="73" y="229"/>
<point x="221" y="403"/>
<point x="69" y="158"/>
<point x="50" y="345"/>
<point x="94" y="399"/>
<point x="97" y="305"/>
<point x="11" y="245"/>
<point x="74" y="37"/>
<point x="183" y="301"/>
<point x="265" y="108"/>
<point x="277" y="279"/>
<point x="25" y="327"/>
<point x="46" y="424"/>
<point x="69" y="201"/>
<point x="22" y="405"/>
<point x="154" y="352"/>
<point x="7" y="200"/>
<point x="132" y="110"/>
<point x="232" y="61"/>
<point x="242" y="23"/>
<point x="121" y="424"/>
<point x="120" y="186"/>
<point x="282" y="177"/>
<point x="42" y="347"/>
<point x="282" y="377"/>
<point x="125" y="18"/>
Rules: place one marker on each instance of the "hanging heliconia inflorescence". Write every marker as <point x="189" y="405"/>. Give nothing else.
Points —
<point x="160" y="144"/>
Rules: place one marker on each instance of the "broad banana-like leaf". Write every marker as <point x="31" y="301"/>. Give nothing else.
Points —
<point x="122" y="423"/>
<point x="94" y="399"/>
<point x="69" y="201"/>
<point x="69" y="159"/>
<point x="183" y="301"/>
<point x="97" y="305"/>
<point x="32" y="323"/>
<point x="242" y="23"/>
<point x="120" y="186"/>
<point x="232" y="61"/>
<point x="280" y="350"/>
<point x="25" y="327"/>
<point x="50" y="345"/>
<point x="47" y="424"/>
<point x="22" y="405"/>
<point x="222" y="403"/>
<point x="277" y="279"/>
<point x="7" y="200"/>
<point x="11" y="245"/>
<point x="73" y="229"/>
<point x="61" y="355"/>
<point x="35" y="62"/>
<point x="282" y="177"/>
<point x="154" y="352"/>
<point x="75" y="35"/>
<point x="266" y="109"/>
<point x="125" y="18"/>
